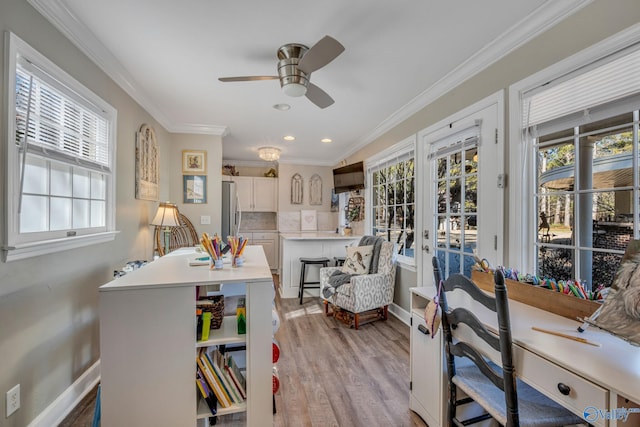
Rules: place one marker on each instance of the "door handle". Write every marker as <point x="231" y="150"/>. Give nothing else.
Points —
<point x="425" y="248"/>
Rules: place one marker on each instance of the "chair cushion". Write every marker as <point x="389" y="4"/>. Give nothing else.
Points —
<point x="358" y="260"/>
<point x="534" y="409"/>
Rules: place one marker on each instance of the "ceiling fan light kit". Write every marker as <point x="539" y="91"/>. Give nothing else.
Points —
<point x="269" y="154"/>
<point x="295" y="65"/>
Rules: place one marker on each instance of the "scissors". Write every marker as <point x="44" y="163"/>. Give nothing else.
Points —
<point x="484" y="264"/>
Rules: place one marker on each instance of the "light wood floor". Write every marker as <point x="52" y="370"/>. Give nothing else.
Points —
<point x="330" y="375"/>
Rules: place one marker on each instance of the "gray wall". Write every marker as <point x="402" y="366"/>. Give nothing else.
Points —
<point x="595" y="22"/>
<point x="49" y="331"/>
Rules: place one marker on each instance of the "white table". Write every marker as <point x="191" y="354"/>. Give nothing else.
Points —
<point x="148" y="340"/>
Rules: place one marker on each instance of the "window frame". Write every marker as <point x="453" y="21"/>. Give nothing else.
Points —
<point x="400" y="149"/>
<point x="522" y="164"/>
<point x="15" y="247"/>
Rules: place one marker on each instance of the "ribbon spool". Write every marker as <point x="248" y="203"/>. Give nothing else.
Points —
<point x="275" y="381"/>
<point x="276" y="350"/>
<point x="275" y="321"/>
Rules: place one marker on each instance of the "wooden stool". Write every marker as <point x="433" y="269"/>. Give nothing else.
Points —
<point x="324" y="262"/>
<point x="339" y="260"/>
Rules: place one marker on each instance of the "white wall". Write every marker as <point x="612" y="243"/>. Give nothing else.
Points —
<point x="288" y="213"/>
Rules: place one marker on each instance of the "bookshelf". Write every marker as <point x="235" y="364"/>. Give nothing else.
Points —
<point x="148" y="341"/>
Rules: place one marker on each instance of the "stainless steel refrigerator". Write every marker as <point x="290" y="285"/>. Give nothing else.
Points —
<point x="231" y="214"/>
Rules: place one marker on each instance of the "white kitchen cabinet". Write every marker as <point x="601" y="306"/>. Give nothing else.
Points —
<point x="257" y="194"/>
<point x="427" y="387"/>
<point x="269" y="242"/>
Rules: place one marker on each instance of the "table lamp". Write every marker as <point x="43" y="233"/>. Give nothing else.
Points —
<point x="167" y="217"/>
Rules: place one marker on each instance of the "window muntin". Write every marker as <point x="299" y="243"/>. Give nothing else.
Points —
<point x="391" y="198"/>
<point x="456" y="216"/>
<point x="60" y="177"/>
<point x="585" y="186"/>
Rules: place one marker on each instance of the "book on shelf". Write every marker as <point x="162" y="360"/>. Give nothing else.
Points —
<point x="219" y="359"/>
<point x="236" y="376"/>
<point x="220" y="375"/>
<point x="207" y="373"/>
<point x="207" y="395"/>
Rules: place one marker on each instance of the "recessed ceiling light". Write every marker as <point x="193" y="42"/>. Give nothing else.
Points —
<point x="282" y="107"/>
<point x="289" y="138"/>
<point x="326" y="140"/>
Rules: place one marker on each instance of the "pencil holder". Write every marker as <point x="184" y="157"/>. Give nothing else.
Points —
<point x="218" y="264"/>
<point x="237" y="261"/>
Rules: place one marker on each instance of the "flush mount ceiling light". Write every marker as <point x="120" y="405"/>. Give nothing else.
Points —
<point x="326" y="140"/>
<point x="269" y="154"/>
<point x="289" y="138"/>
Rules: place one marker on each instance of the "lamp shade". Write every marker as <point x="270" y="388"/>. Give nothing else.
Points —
<point x="166" y="216"/>
<point x="269" y="154"/>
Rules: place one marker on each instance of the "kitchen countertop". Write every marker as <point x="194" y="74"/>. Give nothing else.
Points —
<point x="316" y="235"/>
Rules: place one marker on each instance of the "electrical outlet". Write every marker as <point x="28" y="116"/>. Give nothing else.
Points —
<point x="13" y="400"/>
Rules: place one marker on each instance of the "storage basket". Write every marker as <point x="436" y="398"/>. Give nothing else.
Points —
<point x="215" y="305"/>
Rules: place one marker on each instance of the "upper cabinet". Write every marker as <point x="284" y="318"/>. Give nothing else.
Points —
<point x="257" y="194"/>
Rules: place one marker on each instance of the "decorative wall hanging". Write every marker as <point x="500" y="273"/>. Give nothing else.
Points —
<point x="147" y="165"/>
<point x="296" y="189"/>
<point x="315" y="190"/>
<point x="308" y="221"/>
<point x="194" y="188"/>
<point x="194" y="162"/>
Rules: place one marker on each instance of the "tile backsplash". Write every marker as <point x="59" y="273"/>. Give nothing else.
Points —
<point x="259" y="221"/>
<point x="289" y="221"/>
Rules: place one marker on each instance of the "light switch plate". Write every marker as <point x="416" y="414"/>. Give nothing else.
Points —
<point x="205" y="219"/>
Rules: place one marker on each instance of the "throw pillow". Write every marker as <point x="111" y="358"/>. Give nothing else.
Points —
<point x="358" y="259"/>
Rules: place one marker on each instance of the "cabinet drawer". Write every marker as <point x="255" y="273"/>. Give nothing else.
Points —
<point x="264" y="236"/>
<point x="545" y="376"/>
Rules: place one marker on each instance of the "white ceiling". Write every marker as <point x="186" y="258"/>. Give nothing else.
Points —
<point x="168" y="55"/>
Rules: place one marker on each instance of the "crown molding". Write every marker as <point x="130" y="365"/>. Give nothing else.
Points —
<point x="544" y="17"/>
<point x="77" y="32"/>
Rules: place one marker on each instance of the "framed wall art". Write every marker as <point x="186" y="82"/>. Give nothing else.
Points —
<point x="194" y="162"/>
<point x="147" y="165"/>
<point x="194" y="188"/>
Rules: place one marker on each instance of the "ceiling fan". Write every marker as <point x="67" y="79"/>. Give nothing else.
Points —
<point x="295" y="65"/>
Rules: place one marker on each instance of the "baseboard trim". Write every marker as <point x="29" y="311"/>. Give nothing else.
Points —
<point x="403" y="315"/>
<point x="57" y="411"/>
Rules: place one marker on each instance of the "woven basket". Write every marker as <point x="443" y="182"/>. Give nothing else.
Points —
<point x="215" y="305"/>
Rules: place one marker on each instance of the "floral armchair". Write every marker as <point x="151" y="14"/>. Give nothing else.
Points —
<point x="366" y="296"/>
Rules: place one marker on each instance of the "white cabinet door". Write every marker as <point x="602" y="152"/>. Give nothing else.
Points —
<point x="257" y="194"/>
<point x="244" y="188"/>
<point x="265" y="194"/>
<point x="426" y="372"/>
<point x="269" y="247"/>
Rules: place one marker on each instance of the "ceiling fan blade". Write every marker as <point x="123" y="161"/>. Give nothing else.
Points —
<point x="247" y="78"/>
<point x="320" y="54"/>
<point x="318" y="96"/>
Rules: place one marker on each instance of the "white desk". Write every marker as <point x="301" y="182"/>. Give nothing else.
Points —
<point x="601" y="378"/>
<point x="148" y="341"/>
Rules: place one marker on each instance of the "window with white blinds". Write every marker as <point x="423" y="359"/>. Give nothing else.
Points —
<point x="392" y="198"/>
<point x="60" y="158"/>
<point x="583" y="132"/>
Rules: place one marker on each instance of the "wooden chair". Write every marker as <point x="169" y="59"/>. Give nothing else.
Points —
<point x="179" y="237"/>
<point x="480" y="363"/>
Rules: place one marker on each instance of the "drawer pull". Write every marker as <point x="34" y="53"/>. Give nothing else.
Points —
<point x="423" y="329"/>
<point x="564" y="389"/>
